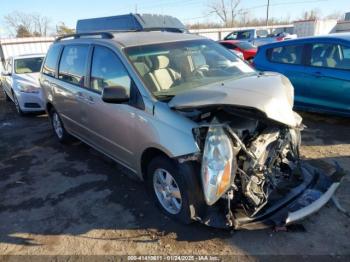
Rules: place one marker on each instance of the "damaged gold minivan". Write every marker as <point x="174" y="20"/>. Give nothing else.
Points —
<point x="214" y="140"/>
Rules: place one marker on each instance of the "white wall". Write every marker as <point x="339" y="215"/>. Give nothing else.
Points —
<point x="219" y="33"/>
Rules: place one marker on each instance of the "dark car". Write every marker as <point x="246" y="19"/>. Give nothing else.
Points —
<point x="318" y="67"/>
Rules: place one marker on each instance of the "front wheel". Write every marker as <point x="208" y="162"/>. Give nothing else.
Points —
<point x="18" y="107"/>
<point x="173" y="189"/>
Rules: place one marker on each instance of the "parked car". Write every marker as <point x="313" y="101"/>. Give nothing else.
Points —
<point x="258" y="37"/>
<point x="318" y="67"/>
<point x="237" y="53"/>
<point x="20" y="83"/>
<point x="184" y="114"/>
<point x="13" y="47"/>
<point x="246" y="48"/>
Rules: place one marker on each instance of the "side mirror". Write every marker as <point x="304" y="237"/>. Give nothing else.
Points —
<point x="116" y="94"/>
<point x="6" y="73"/>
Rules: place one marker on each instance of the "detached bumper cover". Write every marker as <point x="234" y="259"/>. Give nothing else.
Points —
<point x="312" y="208"/>
<point x="312" y="194"/>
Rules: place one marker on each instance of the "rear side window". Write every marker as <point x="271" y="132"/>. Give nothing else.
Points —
<point x="262" y="33"/>
<point x="107" y="70"/>
<point x="73" y="64"/>
<point x="242" y="35"/>
<point x="285" y="54"/>
<point x="330" y="56"/>
<point x="49" y="67"/>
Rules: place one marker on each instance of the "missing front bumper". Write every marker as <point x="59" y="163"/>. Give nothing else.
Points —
<point x="307" y="198"/>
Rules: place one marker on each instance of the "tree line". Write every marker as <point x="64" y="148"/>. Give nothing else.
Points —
<point x="20" y="24"/>
<point x="228" y="13"/>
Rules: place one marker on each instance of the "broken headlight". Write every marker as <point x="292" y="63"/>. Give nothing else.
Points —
<point x="217" y="164"/>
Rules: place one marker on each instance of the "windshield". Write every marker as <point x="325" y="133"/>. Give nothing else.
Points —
<point x="169" y="68"/>
<point x="28" y="65"/>
<point x="245" y="45"/>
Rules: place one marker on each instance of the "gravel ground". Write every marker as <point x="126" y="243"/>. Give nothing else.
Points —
<point x="71" y="200"/>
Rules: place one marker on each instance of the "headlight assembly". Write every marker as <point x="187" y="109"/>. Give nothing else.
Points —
<point x="27" y="88"/>
<point x="217" y="164"/>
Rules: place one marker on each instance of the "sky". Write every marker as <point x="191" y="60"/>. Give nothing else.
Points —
<point x="189" y="11"/>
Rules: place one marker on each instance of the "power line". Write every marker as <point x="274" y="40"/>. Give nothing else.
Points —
<point x="264" y="6"/>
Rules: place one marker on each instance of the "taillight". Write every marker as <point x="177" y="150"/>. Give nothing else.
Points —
<point x="280" y="38"/>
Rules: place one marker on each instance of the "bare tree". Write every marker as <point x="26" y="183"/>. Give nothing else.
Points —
<point x="41" y="24"/>
<point x="33" y="24"/>
<point x="336" y="15"/>
<point x="311" y="15"/>
<point x="23" y="32"/>
<point x="62" y="29"/>
<point x="226" y="10"/>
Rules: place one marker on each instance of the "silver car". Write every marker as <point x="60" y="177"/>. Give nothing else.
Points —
<point x="20" y="83"/>
<point x="214" y="140"/>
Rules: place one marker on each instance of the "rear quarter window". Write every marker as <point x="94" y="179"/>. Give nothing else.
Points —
<point x="285" y="54"/>
<point x="50" y="64"/>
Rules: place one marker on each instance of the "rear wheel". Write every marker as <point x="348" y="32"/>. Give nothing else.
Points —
<point x="58" y="127"/>
<point x="172" y="189"/>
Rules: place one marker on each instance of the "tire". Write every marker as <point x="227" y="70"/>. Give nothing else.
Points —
<point x="18" y="108"/>
<point x="58" y="128"/>
<point x="184" y="183"/>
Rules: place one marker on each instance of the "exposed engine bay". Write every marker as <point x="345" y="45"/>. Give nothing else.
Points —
<point x="262" y="162"/>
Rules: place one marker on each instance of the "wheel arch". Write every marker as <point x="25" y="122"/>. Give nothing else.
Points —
<point x="48" y="107"/>
<point x="147" y="156"/>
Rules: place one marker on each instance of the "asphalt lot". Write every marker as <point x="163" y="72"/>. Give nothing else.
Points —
<point x="71" y="200"/>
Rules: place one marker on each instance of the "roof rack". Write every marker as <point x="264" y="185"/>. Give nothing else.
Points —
<point x="103" y="35"/>
<point x="131" y="22"/>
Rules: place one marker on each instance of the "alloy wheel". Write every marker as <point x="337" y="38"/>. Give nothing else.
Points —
<point x="167" y="191"/>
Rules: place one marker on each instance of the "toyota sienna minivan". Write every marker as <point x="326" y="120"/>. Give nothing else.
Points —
<point x="214" y="140"/>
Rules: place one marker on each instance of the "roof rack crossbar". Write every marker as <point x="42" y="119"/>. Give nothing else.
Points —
<point x="104" y="35"/>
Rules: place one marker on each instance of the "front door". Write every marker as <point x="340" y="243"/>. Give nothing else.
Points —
<point x="288" y="60"/>
<point x="110" y="126"/>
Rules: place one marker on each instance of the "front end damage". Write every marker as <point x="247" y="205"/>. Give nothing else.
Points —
<point x="251" y="173"/>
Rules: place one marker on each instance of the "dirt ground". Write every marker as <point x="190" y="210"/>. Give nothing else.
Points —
<point x="71" y="200"/>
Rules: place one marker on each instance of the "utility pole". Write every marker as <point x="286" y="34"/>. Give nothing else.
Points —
<point x="267" y="12"/>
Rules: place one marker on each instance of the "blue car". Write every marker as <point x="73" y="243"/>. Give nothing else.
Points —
<point x="318" y="67"/>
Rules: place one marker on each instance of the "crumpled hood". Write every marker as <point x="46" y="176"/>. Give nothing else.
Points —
<point x="270" y="93"/>
<point x="28" y="79"/>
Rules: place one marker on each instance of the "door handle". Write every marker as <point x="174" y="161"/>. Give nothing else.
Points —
<point x="79" y="95"/>
<point x="90" y="100"/>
